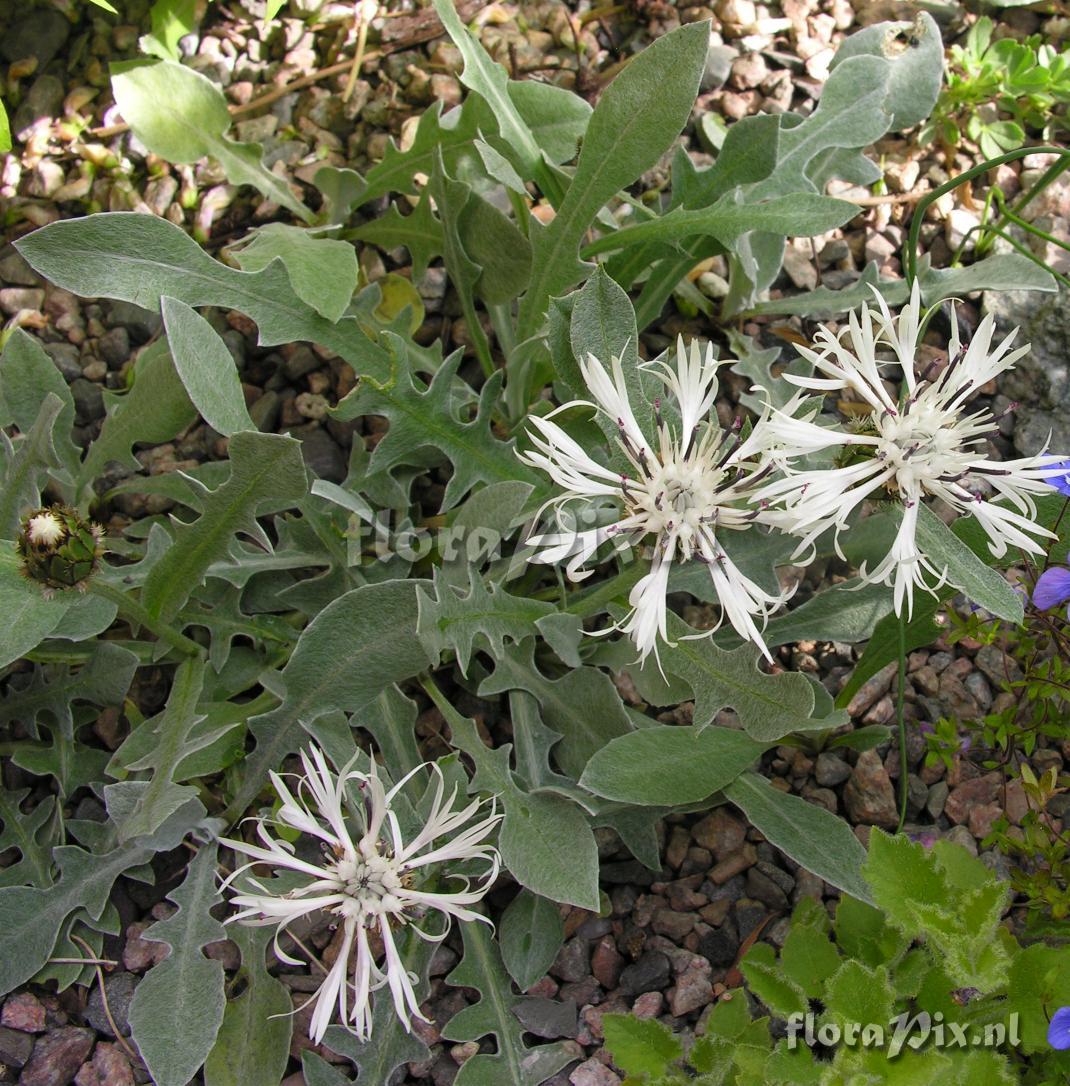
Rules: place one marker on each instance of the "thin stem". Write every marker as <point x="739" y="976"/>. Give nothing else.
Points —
<point x="910" y="254"/>
<point x="131" y="610"/>
<point x="900" y="715"/>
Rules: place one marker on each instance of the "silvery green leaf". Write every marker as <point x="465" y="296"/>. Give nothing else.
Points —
<point x="178" y="1007"/>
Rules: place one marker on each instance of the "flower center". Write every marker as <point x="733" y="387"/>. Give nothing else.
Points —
<point x="677" y="496"/>
<point x="372" y="884"/>
<point x="918" y="445"/>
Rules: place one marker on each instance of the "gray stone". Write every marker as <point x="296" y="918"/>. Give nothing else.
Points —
<point x="15" y="1047"/>
<point x="322" y="456"/>
<point x="24" y="1011"/>
<point x="868" y="795"/>
<point x="143" y="324"/>
<point x="765" y="890"/>
<point x="114" y="346"/>
<point x="693" y="990"/>
<point x="1040" y="381"/>
<point x="649" y="974"/>
<point x="962" y="836"/>
<point x="997" y="665"/>
<point x="57" y="1057"/>
<point x="573" y="961"/>
<point x="749" y="914"/>
<point x="120" y="989"/>
<point x="719" y="60"/>
<point x="934" y="804"/>
<point x="548" y="1018"/>
<point x="830" y="770"/>
<point x="43" y="100"/>
<point x="88" y="400"/>
<point x="15" y="271"/>
<point x="40" y="33"/>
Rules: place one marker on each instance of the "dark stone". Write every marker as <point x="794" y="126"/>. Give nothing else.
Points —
<point x="114" y="346"/>
<point x="67" y="359"/>
<point x="15" y="1047"/>
<point x="548" y="1018"/>
<point x="573" y="962"/>
<point x="749" y="914"/>
<point x="631" y="872"/>
<point x="140" y="323"/>
<point x="650" y="974"/>
<point x="57" y="1057"/>
<point x="40" y="33"/>
<point x="43" y="99"/>
<point x="120" y="989"/>
<point x="719" y="946"/>
<point x="322" y="456"/>
<point x="88" y="400"/>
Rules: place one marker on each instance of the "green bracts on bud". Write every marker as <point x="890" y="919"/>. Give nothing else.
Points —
<point x="59" y="548"/>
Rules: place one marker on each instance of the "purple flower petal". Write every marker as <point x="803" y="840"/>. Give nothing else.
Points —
<point x="1059" y="1029"/>
<point x="1061" y="480"/>
<point x="1053" y="588"/>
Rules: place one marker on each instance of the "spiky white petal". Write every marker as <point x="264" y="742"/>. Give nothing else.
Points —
<point x="685" y="489"/>
<point x="367" y="882"/>
<point x="923" y="444"/>
<point x="44" y="530"/>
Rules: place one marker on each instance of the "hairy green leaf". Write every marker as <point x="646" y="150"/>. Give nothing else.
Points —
<point x="206" y="368"/>
<point x="637" y="117"/>
<point x="450" y="620"/>
<point x="423" y="417"/>
<point x="545" y="840"/>
<point x="32" y="918"/>
<point x="153" y="410"/>
<point x="28" y="617"/>
<point x="514" y="1061"/>
<point x="947" y="895"/>
<point x="491" y="82"/>
<point x="347" y="656"/>
<point x="139" y="258"/>
<point x="252" y="1047"/>
<point x="641" y="1046"/>
<point x="669" y="766"/>
<point x="582" y="706"/>
<point x="172" y="730"/>
<point x="177" y="1008"/>
<point x="267" y="474"/>
<point x="980" y="583"/>
<point x="182" y="116"/>
<point x="530" y="934"/>
<point x="323" y="272"/>
<point x="810" y="835"/>
<point x="27" y="377"/>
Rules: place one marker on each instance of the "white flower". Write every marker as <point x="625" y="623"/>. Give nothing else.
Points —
<point x="682" y="491"/>
<point x="924" y="442"/>
<point x="368" y="882"/>
<point x="44" y="530"/>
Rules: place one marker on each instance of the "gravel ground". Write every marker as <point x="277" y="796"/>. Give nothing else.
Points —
<point x="670" y="945"/>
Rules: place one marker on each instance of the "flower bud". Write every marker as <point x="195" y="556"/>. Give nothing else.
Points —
<point x="59" y="548"/>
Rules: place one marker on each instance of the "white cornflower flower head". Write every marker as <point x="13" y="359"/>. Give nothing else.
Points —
<point x="925" y="443"/>
<point x="368" y="881"/>
<point x="44" y="530"/>
<point x="681" y="493"/>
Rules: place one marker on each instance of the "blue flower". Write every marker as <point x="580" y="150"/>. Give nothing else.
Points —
<point x="1059" y="1029"/>
<point x="1052" y="588"/>
<point x="1061" y="481"/>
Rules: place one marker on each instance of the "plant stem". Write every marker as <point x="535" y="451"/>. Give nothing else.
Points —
<point x="910" y="254"/>
<point x="900" y="714"/>
<point x="131" y="610"/>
